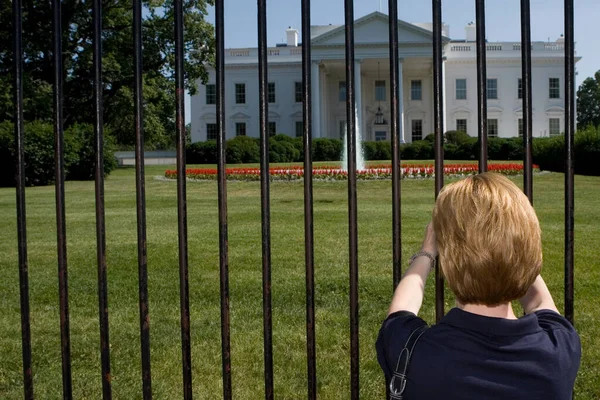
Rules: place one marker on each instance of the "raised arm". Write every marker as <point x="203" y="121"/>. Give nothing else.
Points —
<point x="538" y="297"/>
<point x="408" y="295"/>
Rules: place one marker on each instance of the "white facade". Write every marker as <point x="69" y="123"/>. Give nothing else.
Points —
<point x="372" y="85"/>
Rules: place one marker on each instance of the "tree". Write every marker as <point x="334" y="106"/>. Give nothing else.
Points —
<point x="118" y="79"/>
<point x="588" y="102"/>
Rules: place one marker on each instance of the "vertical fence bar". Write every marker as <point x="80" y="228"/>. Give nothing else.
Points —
<point x="526" y="94"/>
<point x="352" y="205"/>
<point x="309" y="252"/>
<point x="481" y="83"/>
<point x="186" y="350"/>
<point x="265" y="198"/>
<point x="569" y="160"/>
<point x="140" y="185"/>
<point x="395" y="134"/>
<point x="21" y="208"/>
<point x="438" y="113"/>
<point x="100" y="221"/>
<point x="61" y="230"/>
<point x="222" y="189"/>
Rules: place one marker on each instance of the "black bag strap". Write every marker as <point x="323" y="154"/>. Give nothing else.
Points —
<point x="398" y="381"/>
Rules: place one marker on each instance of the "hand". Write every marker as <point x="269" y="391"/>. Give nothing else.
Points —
<point x="429" y="244"/>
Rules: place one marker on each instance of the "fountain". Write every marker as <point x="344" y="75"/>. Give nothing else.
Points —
<point x="360" y="159"/>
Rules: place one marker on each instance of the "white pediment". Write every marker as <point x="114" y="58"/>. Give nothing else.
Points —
<point x="374" y="29"/>
<point x="240" y="115"/>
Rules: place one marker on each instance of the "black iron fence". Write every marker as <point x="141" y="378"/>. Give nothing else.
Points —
<point x="395" y="125"/>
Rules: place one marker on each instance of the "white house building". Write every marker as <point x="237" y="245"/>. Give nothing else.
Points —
<point x="372" y="85"/>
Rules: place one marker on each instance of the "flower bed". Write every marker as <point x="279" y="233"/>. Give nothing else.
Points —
<point x="334" y="173"/>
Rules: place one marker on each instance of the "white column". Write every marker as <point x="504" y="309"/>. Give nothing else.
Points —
<point x="444" y="86"/>
<point x="358" y="92"/>
<point x="401" y="99"/>
<point x="316" y="100"/>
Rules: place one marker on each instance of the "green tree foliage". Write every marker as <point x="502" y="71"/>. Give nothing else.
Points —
<point x="588" y="102"/>
<point x="118" y="67"/>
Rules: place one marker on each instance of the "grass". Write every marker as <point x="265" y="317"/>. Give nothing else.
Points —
<point x="332" y="325"/>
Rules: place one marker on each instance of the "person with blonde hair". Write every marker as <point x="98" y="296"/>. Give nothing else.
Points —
<point x="488" y="240"/>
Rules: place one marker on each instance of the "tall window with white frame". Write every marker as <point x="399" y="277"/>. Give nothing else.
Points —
<point x="520" y="88"/>
<point x="298" y="92"/>
<point x="492" y="127"/>
<point x="211" y="94"/>
<point x="416" y="90"/>
<point x="554" y="88"/>
<point x="211" y="131"/>
<point x="461" y="89"/>
<point x="380" y="91"/>
<point x="417" y="129"/>
<point x="299" y="129"/>
<point x="554" y="126"/>
<point x="240" y="93"/>
<point x="240" y="129"/>
<point x="492" y="89"/>
<point x="342" y="91"/>
<point x="461" y="125"/>
<point x="272" y="128"/>
<point x="271" y="92"/>
<point x="520" y="127"/>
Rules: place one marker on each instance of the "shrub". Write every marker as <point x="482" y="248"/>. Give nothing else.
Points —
<point x="79" y="153"/>
<point x="243" y="149"/>
<point x="83" y="162"/>
<point x="587" y="152"/>
<point x="325" y="149"/>
<point x="282" y="150"/>
<point x="549" y="153"/>
<point x="202" y="153"/>
<point x="456" y="137"/>
<point x="418" y="150"/>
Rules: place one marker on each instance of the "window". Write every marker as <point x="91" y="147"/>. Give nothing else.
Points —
<point x="211" y="94"/>
<point x="299" y="129"/>
<point x="342" y="130"/>
<point x="211" y="131"/>
<point x="492" y="128"/>
<point x="461" y="89"/>
<point x="415" y="90"/>
<point x="554" y="126"/>
<point x="240" y="129"/>
<point x="298" y="92"/>
<point x="240" y="93"/>
<point x="461" y="125"/>
<point x="379" y="90"/>
<point x="380" y="136"/>
<point x="520" y="89"/>
<point x="554" y="85"/>
<point x="520" y="127"/>
<point x="271" y="92"/>
<point x="342" y="91"/>
<point x="417" y="129"/>
<point x="272" y="128"/>
<point x="492" y="89"/>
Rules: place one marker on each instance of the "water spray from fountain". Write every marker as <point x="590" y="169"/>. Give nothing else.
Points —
<point x="360" y="159"/>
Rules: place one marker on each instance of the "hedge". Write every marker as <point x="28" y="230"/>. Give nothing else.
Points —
<point x="548" y="153"/>
<point x="79" y="154"/>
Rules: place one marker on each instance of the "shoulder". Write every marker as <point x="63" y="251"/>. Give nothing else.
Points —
<point x="554" y="323"/>
<point x="561" y="333"/>
<point x="393" y="335"/>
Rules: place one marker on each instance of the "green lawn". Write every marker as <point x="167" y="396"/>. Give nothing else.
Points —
<point x="332" y="326"/>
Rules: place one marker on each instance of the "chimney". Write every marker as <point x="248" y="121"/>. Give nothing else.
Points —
<point x="292" y="37"/>
<point x="470" y="32"/>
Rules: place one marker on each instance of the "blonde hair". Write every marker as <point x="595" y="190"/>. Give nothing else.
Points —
<point x="488" y="238"/>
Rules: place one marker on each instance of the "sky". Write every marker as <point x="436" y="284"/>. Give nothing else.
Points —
<point x="502" y="22"/>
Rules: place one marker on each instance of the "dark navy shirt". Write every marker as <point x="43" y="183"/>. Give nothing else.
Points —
<point x="469" y="356"/>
